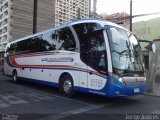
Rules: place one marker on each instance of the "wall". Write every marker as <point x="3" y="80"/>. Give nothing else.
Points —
<point x="148" y="30"/>
<point x="22" y="17"/>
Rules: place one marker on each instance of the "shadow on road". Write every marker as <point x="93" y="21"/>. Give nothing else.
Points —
<point x="83" y="97"/>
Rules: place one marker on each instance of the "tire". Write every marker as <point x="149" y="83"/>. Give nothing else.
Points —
<point x="66" y="86"/>
<point x="14" y="76"/>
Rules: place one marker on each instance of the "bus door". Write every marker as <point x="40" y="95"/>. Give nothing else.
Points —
<point x="97" y="61"/>
<point x="92" y="53"/>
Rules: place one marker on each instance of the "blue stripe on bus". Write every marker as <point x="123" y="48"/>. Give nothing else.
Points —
<point x="39" y="81"/>
<point x="109" y="89"/>
<point x="42" y="82"/>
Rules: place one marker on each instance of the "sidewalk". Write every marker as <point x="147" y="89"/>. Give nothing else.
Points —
<point x="156" y="91"/>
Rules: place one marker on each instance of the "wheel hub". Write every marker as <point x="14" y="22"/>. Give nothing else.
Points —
<point x="67" y="86"/>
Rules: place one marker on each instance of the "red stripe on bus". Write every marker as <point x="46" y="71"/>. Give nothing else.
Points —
<point x="13" y="63"/>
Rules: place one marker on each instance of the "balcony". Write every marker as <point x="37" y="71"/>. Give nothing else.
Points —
<point x="4" y="2"/>
<point x="3" y="26"/>
<point x="3" y="34"/>
<point x="3" y="19"/>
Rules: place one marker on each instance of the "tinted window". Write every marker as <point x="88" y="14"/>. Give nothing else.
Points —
<point x="38" y="44"/>
<point x="11" y="49"/>
<point x="61" y="39"/>
<point x="92" y="46"/>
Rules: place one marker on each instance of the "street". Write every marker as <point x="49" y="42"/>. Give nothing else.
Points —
<point x="38" y="102"/>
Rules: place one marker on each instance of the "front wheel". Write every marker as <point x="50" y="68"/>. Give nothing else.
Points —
<point x="14" y="76"/>
<point x="66" y="86"/>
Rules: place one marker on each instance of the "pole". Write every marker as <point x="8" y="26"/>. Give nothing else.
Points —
<point x="35" y="6"/>
<point x="78" y="13"/>
<point x="153" y="67"/>
<point x="89" y="8"/>
<point x="131" y="15"/>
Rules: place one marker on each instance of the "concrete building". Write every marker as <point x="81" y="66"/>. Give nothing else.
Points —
<point x="16" y="17"/>
<point x="118" y="18"/>
<point x="66" y="10"/>
<point x="148" y="30"/>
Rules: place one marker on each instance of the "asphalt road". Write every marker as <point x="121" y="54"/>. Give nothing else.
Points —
<point x="27" y="101"/>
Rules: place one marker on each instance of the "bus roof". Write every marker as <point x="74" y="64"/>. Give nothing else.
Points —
<point x="83" y="20"/>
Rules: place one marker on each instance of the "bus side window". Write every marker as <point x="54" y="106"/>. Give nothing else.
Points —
<point x="67" y="39"/>
<point x="7" y="52"/>
<point x="61" y="39"/>
<point x="11" y="49"/>
<point x="92" y="46"/>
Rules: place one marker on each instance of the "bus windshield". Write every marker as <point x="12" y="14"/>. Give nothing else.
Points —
<point x="126" y="53"/>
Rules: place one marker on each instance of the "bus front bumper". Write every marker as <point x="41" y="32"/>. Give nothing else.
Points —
<point x="118" y="89"/>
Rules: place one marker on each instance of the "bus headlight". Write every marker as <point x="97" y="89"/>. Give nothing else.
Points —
<point x="121" y="80"/>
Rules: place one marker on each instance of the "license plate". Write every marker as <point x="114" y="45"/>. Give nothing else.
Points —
<point x="136" y="90"/>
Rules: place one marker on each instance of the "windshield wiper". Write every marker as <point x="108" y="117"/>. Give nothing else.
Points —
<point x="119" y="71"/>
<point x="127" y="54"/>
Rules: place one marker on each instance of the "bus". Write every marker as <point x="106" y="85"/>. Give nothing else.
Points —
<point x="87" y="55"/>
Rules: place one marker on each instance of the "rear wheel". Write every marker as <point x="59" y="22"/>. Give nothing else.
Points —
<point x="66" y="86"/>
<point x="14" y="76"/>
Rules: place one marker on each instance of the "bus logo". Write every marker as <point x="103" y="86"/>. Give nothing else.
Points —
<point x="63" y="59"/>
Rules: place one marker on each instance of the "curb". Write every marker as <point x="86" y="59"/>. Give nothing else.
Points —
<point x="1" y="73"/>
<point x="152" y="94"/>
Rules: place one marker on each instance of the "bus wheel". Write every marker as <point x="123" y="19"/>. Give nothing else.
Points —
<point x="66" y="86"/>
<point x="14" y="76"/>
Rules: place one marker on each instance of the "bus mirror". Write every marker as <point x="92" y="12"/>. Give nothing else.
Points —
<point x="133" y="39"/>
<point x="115" y="35"/>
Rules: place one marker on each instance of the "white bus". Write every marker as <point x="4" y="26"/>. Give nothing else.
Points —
<point x="87" y="55"/>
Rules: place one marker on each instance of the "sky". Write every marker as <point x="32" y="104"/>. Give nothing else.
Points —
<point x="139" y="7"/>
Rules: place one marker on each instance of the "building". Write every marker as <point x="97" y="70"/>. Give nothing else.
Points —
<point x="16" y="17"/>
<point x="118" y="18"/>
<point x="148" y="30"/>
<point x="66" y="10"/>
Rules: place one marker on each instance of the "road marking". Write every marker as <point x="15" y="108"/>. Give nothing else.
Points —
<point x="12" y="99"/>
<point x="38" y="95"/>
<point x="8" y="99"/>
<point x="70" y="99"/>
<point x="84" y="109"/>
<point x="3" y="104"/>
<point x="75" y="111"/>
<point x="156" y="112"/>
<point x="44" y="95"/>
<point x="33" y="96"/>
<point x="52" y="96"/>
<point x="57" y="96"/>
